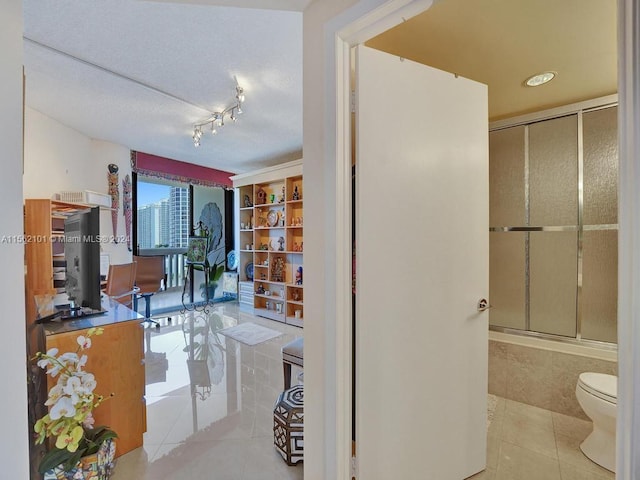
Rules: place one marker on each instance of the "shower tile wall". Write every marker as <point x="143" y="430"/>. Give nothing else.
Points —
<point x="540" y="377"/>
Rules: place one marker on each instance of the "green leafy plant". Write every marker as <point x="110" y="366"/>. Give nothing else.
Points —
<point x="215" y="273"/>
<point x="71" y="400"/>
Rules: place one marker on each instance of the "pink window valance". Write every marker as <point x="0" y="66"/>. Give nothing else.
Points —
<point x="175" y="170"/>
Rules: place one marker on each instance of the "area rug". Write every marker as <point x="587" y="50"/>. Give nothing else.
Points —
<point x="250" y="333"/>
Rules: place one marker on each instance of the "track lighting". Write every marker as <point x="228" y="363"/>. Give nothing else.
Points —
<point x="216" y="120"/>
<point x="197" y="134"/>
<point x="240" y="94"/>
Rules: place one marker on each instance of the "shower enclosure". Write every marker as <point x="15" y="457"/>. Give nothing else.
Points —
<point x="553" y="223"/>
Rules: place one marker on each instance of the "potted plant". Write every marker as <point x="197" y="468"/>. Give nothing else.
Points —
<point x="81" y="450"/>
<point x="210" y="227"/>
<point x="208" y="288"/>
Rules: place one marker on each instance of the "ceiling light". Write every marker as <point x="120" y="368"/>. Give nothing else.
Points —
<point x="239" y="94"/>
<point x="197" y="134"/>
<point x="216" y="120"/>
<point x="539" y="79"/>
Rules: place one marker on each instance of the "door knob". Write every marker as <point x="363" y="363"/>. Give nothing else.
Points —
<point x="483" y="305"/>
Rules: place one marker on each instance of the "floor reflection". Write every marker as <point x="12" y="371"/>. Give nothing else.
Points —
<point x="210" y="401"/>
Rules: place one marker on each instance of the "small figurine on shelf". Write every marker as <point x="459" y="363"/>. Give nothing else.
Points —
<point x="299" y="275"/>
<point x="281" y="242"/>
<point x="261" y="195"/>
<point x="272" y="198"/>
<point x="295" y="296"/>
<point x="247" y="201"/>
<point x="260" y="290"/>
<point x="281" y="199"/>
<point x="277" y="270"/>
<point x="296" y="194"/>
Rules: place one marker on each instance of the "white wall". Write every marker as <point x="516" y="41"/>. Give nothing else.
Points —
<point x="14" y="446"/>
<point x="58" y="158"/>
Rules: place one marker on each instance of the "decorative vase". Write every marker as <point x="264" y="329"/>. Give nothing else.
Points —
<point x="97" y="466"/>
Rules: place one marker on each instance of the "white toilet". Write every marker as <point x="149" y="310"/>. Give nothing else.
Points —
<point x="597" y="395"/>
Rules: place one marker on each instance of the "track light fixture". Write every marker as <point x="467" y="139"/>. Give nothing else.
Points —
<point x="216" y="120"/>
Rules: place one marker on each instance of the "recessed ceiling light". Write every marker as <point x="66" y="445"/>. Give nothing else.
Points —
<point x="539" y="79"/>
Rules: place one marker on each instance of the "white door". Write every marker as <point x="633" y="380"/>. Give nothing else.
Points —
<point x="422" y="265"/>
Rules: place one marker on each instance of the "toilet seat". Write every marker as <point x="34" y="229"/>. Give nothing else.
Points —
<point x="600" y="385"/>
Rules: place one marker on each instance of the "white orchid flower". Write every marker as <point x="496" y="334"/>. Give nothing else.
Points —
<point x="84" y="342"/>
<point x="69" y="359"/>
<point x="82" y="361"/>
<point x="52" y="352"/>
<point x="54" y="394"/>
<point x="74" y="389"/>
<point x="89" y="382"/>
<point x="62" y="408"/>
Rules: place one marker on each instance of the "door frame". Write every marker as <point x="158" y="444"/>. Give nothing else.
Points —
<point x="368" y="18"/>
<point x="363" y="25"/>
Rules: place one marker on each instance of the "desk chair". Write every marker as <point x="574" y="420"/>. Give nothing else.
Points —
<point x="150" y="279"/>
<point x="120" y="283"/>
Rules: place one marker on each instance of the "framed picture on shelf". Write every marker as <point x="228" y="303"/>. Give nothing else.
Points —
<point x="197" y="250"/>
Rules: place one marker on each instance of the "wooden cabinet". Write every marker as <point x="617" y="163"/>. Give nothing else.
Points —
<point x="116" y="356"/>
<point x="116" y="360"/>
<point x="44" y="248"/>
<point x="271" y="242"/>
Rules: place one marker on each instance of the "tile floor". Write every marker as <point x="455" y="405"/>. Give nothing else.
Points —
<point x="530" y="443"/>
<point x="226" y="433"/>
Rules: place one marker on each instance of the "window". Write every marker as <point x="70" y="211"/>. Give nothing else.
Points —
<point x="162" y="215"/>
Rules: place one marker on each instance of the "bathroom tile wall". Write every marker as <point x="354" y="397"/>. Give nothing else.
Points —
<point x="539" y="377"/>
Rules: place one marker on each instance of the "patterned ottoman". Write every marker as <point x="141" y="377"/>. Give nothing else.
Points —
<point x="288" y="423"/>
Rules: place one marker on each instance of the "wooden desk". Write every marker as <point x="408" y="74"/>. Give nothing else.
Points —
<point x="116" y="359"/>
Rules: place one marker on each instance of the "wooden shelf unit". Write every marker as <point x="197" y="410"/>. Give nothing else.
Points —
<point x="117" y="357"/>
<point x="44" y="247"/>
<point x="270" y="237"/>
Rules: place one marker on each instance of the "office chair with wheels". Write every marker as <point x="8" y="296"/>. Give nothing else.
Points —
<point x="120" y="283"/>
<point x="150" y="279"/>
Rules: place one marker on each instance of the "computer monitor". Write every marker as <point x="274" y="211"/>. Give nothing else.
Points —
<point x="82" y="257"/>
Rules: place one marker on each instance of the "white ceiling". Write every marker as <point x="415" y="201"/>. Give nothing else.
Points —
<point x="141" y="73"/>
<point x="87" y="61"/>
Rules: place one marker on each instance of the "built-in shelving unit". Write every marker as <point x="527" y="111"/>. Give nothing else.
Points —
<point x="271" y="243"/>
<point x="44" y="248"/>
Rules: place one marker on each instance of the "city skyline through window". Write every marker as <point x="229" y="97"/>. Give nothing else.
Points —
<point x="163" y="215"/>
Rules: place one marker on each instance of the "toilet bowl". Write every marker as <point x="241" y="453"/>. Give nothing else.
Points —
<point x="596" y="394"/>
